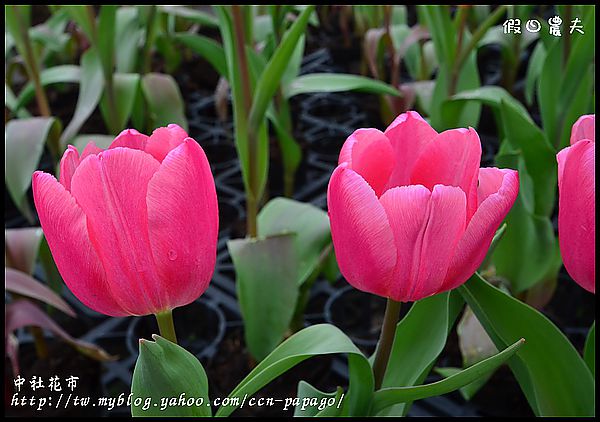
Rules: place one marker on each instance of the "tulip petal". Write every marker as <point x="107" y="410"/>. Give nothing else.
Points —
<point x="183" y="221"/>
<point x="165" y="139"/>
<point x="90" y="149"/>
<point x="576" y="212"/>
<point x="584" y="128"/>
<point x="130" y="138"/>
<point x="407" y="209"/>
<point x="409" y="134"/>
<point x="451" y="159"/>
<point x="68" y="165"/>
<point x="111" y="190"/>
<point x="361" y="233"/>
<point x="369" y="153"/>
<point x="64" y="225"/>
<point x="474" y="244"/>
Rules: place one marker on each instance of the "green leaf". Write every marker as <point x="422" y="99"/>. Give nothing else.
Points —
<point x="270" y="78"/>
<point x="106" y="37"/>
<point x="164" y="100"/>
<point x="81" y="16"/>
<point x="554" y="378"/>
<point x="290" y="149"/>
<point x="22" y="247"/>
<point x="536" y="64"/>
<point x="529" y="251"/>
<point x="207" y="48"/>
<point x="413" y="354"/>
<point x="193" y="15"/>
<point x="127" y="36"/>
<point x="437" y="19"/>
<point x="101" y="141"/>
<point x="265" y="265"/>
<point x="336" y="82"/>
<point x="165" y="370"/>
<point x="313" y="401"/>
<point x="10" y="101"/>
<point x="126" y="86"/>
<point x="539" y="156"/>
<point x="293" y="68"/>
<point x="24" y="141"/>
<point x="320" y="339"/>
<point x="90" y="91"/>
<point x="54" y="75"/>
<point x="469" y="390"/>
<point x="387" y="397"/>
<point x="309" y="224"/>
<point x="491" y="96"/>
<point x="589" y="350"/>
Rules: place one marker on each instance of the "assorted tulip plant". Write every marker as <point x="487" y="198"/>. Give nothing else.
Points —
<point x="411" y="217"/>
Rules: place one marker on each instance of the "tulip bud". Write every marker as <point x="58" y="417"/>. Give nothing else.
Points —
<point x="577" y="204"/>
<point x="411" y="212"/>
<point x="133" y="228"/>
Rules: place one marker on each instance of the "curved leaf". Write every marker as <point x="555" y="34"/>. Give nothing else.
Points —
<point x="320" y="339"/>
<point x="336" y="82"/>
<point x="270" y="78"/>
<point x="389" y="396"/>
<point x="265" y="265"/>
<point x="164" y="370"/>
<point x="164" y="100"/>
<point x="207" y="48"/>
<point x="307" y="394"/>
<point x="589" y="351"/>
<point x="23" y="284"/>
<point x="554" y="378"/>
<point x="22" y="247"/>
<point x="193" y="15"/>
<point x="90" y="91"/>
<point x="57" y="74"/>
<point x="309" y="224"/>
<point x="24" y="141"/>
<point x="413" y="354"/>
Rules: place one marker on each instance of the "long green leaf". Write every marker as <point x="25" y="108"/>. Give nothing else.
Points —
<point x="24" y="141"/>
<point x="163" y="371"/>
<point x="193" y="15"/>
<point x="58" y="74"/>
<point x="207" y="48"/>
<point x="164" y="100"/>
<point x="589" y="351"/>
<point x="126" y="86"/>
<point x="387" y="397"/>
<point x="90" y="91"/>
<point x="309" y="224"/>
<point x="270" y="79"/>
<point x="414" y="354"/>
<point x="312" y="399"/>
<point x="316" y="340"/>
<point x="554" y="378"/>
<point x="335" y="82"/>
<point x="265" y="265"/>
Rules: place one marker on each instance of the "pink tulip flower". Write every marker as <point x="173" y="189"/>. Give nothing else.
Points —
<point x="133" y="228"/>
<point x="411" y="212"/>
<point x="577" y="205"/>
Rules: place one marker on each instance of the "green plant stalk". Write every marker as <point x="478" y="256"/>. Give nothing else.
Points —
<point x="252" y="133"/>
<point x="150" y="34"/>
<point x="298" y="318"/>
<point x="462" y="21"/>
<point x="166" y="326"/>
<point x="386" y="339"/>
<point x="31" y="65"/>
<point x="477" y="36"/>
<point x="283" y="110"/>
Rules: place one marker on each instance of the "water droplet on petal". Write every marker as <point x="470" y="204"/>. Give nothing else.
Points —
<point x="172" y="255"/>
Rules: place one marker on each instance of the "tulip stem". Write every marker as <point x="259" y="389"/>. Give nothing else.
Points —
<point x="166" y="326"/>
<point x="386" y="339"/>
